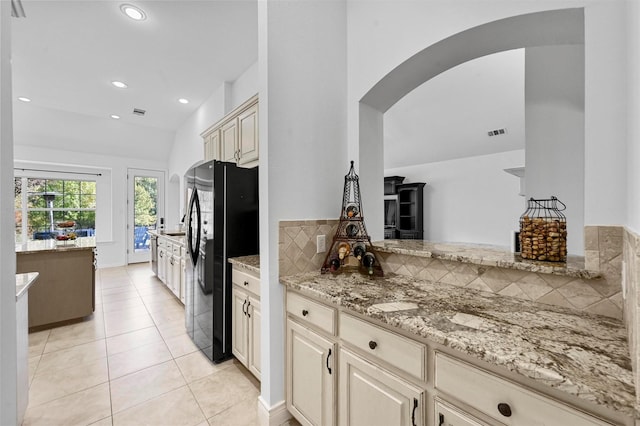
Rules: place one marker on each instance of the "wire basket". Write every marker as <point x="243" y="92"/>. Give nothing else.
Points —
<point x="543" y="231"/>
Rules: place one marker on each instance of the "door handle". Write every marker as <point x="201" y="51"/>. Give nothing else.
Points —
<point x="243" y="311"/>
<point x="413" y="412"/>
<point x="248" y="314"/>
<point x="329" y="356"/>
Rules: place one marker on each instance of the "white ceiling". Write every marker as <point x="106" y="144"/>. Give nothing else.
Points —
<point x="449" y="116"/>
<point x="66" y="53"/>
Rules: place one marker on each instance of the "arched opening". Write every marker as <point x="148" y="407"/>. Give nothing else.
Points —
<point x="535" y="33"/>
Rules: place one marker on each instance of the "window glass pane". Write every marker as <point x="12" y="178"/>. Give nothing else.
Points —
<point x="71" y="201"/>
<point x="86" y="220"/>
<point x="36" y="185"/>
<point x="55" y="186"/>
<point x="145" y="201"/>
<point x="36" y="202"/>
<point x="88" y="188"/>
<point x="18" y="194"/>
<point x="38" y="222"/>
<point x="88" y="201"/>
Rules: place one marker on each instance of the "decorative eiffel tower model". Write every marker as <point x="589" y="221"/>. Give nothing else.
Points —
<point x="350" y="250"/>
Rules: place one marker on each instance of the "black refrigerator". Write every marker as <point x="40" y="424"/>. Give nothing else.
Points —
<point x="222" y="222"/>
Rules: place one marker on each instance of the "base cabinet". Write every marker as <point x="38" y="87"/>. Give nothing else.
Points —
<point x="370" y="395"/>
<point x="311" y="376"/>
<point x="171" y="265"/>
<point x="246" y="317"/>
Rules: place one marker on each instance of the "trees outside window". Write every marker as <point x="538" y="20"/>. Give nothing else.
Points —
<point x="41" y="204"/>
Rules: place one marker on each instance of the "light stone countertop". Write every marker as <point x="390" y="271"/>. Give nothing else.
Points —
<point x="581" y="354"/>
<point x="23" y="282"/>
<point x="250" y="263"/>
<point x="487" y="255"/>
<point x="176" y="236"/>
<point x="39" y="246"/>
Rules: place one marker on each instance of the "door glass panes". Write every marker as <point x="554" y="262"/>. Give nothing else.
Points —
<point x="18" y="209"/>
<point x="145" y="215"/>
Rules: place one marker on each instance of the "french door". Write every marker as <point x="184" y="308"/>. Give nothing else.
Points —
<point x="145" y="209"/>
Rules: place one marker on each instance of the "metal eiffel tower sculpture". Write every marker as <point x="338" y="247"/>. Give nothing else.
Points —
<point x="350" y="249"/>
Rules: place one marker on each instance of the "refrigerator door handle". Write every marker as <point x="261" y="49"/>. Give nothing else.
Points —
<point x="194" y="203"/>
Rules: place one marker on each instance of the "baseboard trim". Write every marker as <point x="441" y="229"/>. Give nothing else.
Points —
<point x="276" y="415"/>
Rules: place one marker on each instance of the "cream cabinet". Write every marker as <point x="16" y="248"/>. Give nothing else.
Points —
<point x="448" y="415"/>
<point x="235" y="137"/>
<point x="384" y="378"/>
<point x="311" y="375"/>
<point x="212" y="145"/>
<point x="501" y="399"/>
<point x="370" y="395"/>
<point x="246" y="317"/>
<point x="171" y="265"/>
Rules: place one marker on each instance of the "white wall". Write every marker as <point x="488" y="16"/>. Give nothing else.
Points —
<point x="554" y="114"/>
<point x="112" y="247"/>
<point x="381" y="35"/>
<point x="188" y="146"/>
<point x="633" y="112"/>
<point x="469" y="199"/>
<point x="8" y="343"/>
<point x="302" y="62"/>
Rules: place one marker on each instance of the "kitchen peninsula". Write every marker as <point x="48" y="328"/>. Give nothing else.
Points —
<point x="66" y="282"/>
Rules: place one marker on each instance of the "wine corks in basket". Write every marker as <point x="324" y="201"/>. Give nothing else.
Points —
<point x="543" y="231"/>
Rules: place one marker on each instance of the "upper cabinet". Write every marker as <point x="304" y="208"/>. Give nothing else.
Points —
<point x="235" y="137"/>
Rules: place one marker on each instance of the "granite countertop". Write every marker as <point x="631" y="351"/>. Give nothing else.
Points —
<point x="23" y="282"/>
<point x="480" y="254"/>
<point x="250" y="263"/>
<point x="38" y="246"/>
<point x="581" y="354"/>
<point x="176" y="236"/>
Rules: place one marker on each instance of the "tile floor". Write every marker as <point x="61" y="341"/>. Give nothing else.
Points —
<point x="131" y="363"/>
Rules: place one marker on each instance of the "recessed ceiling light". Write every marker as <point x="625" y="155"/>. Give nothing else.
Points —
<point x="133" y="12"/>
<point x="115" y="117"/>
<point x="23" y="99"/>
<point x="183" y="101"/>
<point x="119" y="84"/>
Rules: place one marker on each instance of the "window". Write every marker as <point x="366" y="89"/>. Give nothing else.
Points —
<point x="42" y="204"/>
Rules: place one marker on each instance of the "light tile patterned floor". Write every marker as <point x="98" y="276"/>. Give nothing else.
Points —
<point x="131" y="363"/>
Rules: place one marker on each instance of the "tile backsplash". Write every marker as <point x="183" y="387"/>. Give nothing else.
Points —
<point x="603" y="246"/>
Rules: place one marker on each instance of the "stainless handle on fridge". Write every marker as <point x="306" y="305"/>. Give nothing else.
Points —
<point x="194" y="202"/>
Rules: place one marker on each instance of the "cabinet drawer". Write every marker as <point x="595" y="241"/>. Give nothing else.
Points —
<point x="246" y="281"/>
<point x="486" y="393"/>
<point x="396" y="350"/>
<point x="162" y="242"/>
<point x="176" y="249"/>
<point x="312" y="312"/>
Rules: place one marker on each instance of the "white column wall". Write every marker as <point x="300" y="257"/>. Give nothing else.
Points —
<point x="302" y="62"/>
<point x="383" y="34"/>
<point x="633" y="112"/>
<point x="8" y="342"/>
<point x="554" y="116"/>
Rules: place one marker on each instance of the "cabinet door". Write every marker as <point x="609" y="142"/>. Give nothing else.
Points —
<point x="169" y="271"/>
<point x="239" y="325"/>
<point x="254" y="316"/>
<point x="370" y="395"/>
<point x="183" y="272"/>
<point x="248" y="135"/>
<point x="214" y="145"/>
<point x="311" y="376"/>
<point x="447" y="415"/>
<point x="229" y="141"/>
<point x="176" y="272"/>
<point x="207" y="148"/>
<point x="162" y="264"/>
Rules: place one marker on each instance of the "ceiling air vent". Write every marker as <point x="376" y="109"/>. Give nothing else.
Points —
<point x="497" y="132"/>
<point x="138" y="111"/>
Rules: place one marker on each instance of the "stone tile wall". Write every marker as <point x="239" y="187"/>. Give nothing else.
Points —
<point x="297" y="244"/>
<point x="602" y="296"/>
<point x="631" y="256"/>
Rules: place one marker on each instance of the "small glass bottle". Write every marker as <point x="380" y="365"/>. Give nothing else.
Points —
<point x="334" y="264"/>
<point x="359" y="250"/>
<point x="343" y="250"/>
<point x="368" y="260"/>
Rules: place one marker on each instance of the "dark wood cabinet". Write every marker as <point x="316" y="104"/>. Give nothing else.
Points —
<point x="403" y="209"/>
<point x="410" y="209"/>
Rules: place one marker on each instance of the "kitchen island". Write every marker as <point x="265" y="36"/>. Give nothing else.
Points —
<point x="66" y="282"/>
